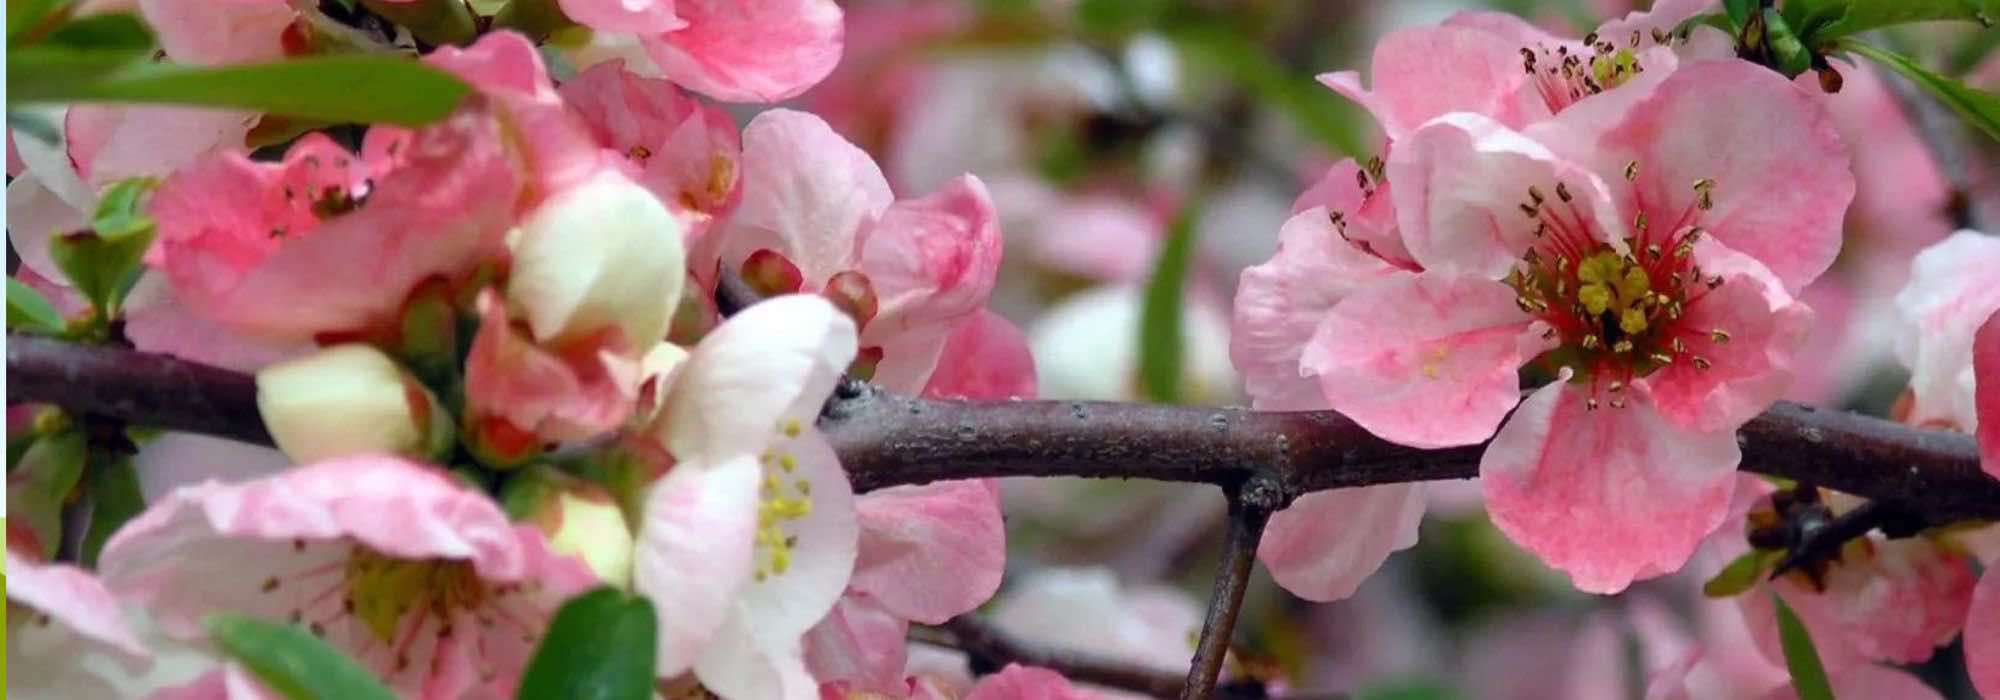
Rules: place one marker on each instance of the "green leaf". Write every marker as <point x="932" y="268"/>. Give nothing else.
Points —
<point x="103" y="261"/>
<point x="1742" y="574"/>
<point x="599" y="647"/>
<point x="1161" y="341"/>
<point x="1739" y="11"/>
<point x="114" y="500"/>
<point x="343" y="88"/>
<point x="1118" y="16"/>
<point x="23" y="15"/>
<point x="119" y="31"/>
<point x="1808" y="676"/>
<point x="29" y="311"/>
<point x="1828" y="22"/>
<point x="1315" y="110"/>
<point x="40" y="485"/>
<point x="293" y="662"/>
<point x="1980" y="108"/>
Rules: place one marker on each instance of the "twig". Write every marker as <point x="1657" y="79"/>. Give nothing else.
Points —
<point x="1249" y="509"/>
<point x="991" y="649"/>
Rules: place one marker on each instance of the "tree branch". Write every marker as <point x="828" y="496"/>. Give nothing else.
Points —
<point x="888" y="440"/>
<point x="991" y="649"/>
<point x="1249" y="509"/>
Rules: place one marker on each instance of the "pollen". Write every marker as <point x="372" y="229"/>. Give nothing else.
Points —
<point x="1615" y="311"/>
<point x="1564" y="76"/>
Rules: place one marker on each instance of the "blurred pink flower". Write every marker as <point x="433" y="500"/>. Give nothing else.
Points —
<point x="507" y="70"/>
<point x="329" y="241"/>
<point x="420" y="578"/>
<point x="1954" y="287"/>
<point x="61" y="620"/>
<point x="1884" y="600"/>
<point x="520" y="394"/>
<point x="1982" y="635"/>
<point x="1017" y="682"/>
<point x="212" y="32"/>
<point x="817" y="217"/>
<point x="750" y="537"/>
<point x="688" y="153"/>
<point x="731" y="50"/>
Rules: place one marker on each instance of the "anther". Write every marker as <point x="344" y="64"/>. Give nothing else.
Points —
<point x="1639" y="222"/>
<point x="1701" y="363"/>
<point x="1535" y="193"/>
<point x="1661" y="358"/>
<point x="1719" y="336"/>
<point x="1592" y="342"/>
<point x="1632" y="171"/>
<point x="1590" y="404"/>
<point x="1621" y="347"/>
<point x="1531" y="210"/>
<point x="1562" y="191"/>
<point x="1679" y="346"/>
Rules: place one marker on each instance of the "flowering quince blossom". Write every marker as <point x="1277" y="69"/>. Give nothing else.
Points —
<point x="817" y="216"/>
<point x="687" y="153"/>
<point x="420" y="578"/>
<point x="749" y="538"/>
<point x="66" y="636"/>
<point x="1648" y="277"/>
<point x="327" y="241"/>
<point x="731" y="50"/>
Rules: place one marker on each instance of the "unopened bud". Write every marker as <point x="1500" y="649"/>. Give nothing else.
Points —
<point x="602" y="253"/>
<point x="580" y="519"/>
<point x="349" y="400"/>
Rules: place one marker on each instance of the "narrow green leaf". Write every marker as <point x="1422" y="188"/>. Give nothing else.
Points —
<point x="1867" y="15"/>
<point x="23" y="15"/>
<point x="343" y="88"/>
<point x="291" y="661"/>
<point x="1107" y="17"/>
<point x="1742" y="574"/>
<point x="1162" y="344"/>
<point x="29" y="311"/>
<point x="600" y="646"/>
<point x="1739" y="11"/>
<point x="119" y="31"/>
<point x="114" y="500"/>
<point x="1980" y="108"/>
<point x="1808" y="676"/>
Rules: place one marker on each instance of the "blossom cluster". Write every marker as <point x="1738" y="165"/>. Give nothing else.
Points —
<point x="489" y="352"/>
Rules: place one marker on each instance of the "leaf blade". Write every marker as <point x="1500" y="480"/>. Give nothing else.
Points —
<point x="344" y="88"/>
<point x="28" y="310"/>
<point x="291" y="661"/>
<point x="1980" y="108"/>
<point x="600" y="646"/>
<point x="1162" y="341"/>
<point x="1801" y="659"/>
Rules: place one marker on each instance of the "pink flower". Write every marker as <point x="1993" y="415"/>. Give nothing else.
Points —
<point x="1017" y="682"/>
<point x="1605" y="284"/>
<point x="686" y="152"/>
<point x="1954" y="287"/>
<point x="212" y="32"/>
<point x="62" y="624"/>
<point x="817" y="217"/>
<point x="1498" y="65"/>
<point x="1892" y="600"/>
<point x="328" y="241"/>
<point x="749" y="538"/>
<point x="394" y="562"/>
<point x="506" y="69"/>
<point x="520" y="394"/>
<point x="985" y="358"/>
<point x="731" y="50"/>
<point x="1982" y="635"/>
<point x="1986" y="363"/>
<point x="1087" y="610"/>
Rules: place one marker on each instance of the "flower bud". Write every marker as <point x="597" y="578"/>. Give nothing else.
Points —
<point x="603" y="253"/>
<point x="349" y="400"/>
<point x="580" y="519"/>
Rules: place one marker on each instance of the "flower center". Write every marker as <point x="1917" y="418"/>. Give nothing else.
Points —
<point x="781" y="503"/>
<point x="1563" y="77"/>
<point x="385" y="589"/>
<point x="1618" y="315"/>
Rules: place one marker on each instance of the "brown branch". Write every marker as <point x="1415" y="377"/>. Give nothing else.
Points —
<point x="991" y="649"/>
<point x="1250" y="507"/>
<point x="139" y="388"/>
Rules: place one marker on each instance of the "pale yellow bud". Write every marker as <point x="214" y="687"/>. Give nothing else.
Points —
<point x="593" y="529"/>
<point x="600" y="254"/>
<point x="349" y="400"/>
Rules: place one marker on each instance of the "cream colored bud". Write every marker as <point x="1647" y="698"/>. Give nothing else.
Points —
<point x="656" y="374"/>
<point x="591" y="528"/>
<point x="600" y="254"/>
<point x="349" y="400"/>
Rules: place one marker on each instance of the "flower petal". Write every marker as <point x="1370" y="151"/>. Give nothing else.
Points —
<point x="745" y="662"/>
<point x="636" y="16"/>
<point x="1954" y="286"/>
<point x="807" y="194"/>
<point x="1281" y="302"/>
<point x="985" y="358"/>
<point x="860" y="644"/>
<point x="1424" y="72"/>
<point x="928" y="553"/>
<point x="1610" y="495"/>
<point x="932" y="261"/>
<point x="775" y="361"/>
<point x="1982" y="636"/>
<point x="75" y="600"/>
<point x="751" y="50"/>
<point x="822" y="544"/>
<point x="1986" y="375"/>
<point x="212" y="32"/>
<point x="693" y="554"/>
<point x="1749" y="371"/>
<point x="1017" y="682"/>
<point x="1428" y="360"/>
<point x="1328" y="542"/>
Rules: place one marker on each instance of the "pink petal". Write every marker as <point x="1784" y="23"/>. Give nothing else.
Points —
<point x="112" y="143"/>
<point x="985" y="358"/>
<point x="771" y="364"/>
<point x="859" y="644"/>
<point x="35" y="214"/>
<point x="75" y="600"/>
<point x="1103" y="238"/>
<point x="507" y="69"/>
<point x="1017" y="682"/>
<point x="440" y="209"/>
<point x="1746" y="374"/>
<point x="745" y="662"/>
<point x="1368" y="212"/>
<point x="932" y="261"/>
<point x="1425" y="72"/>
<point x="1281" y="302"/>
<point x="751" y="50"/>
<point x="1982" y="636"/>
<point x="156" y="322"/>
<point x="1954" y="287"/>
<point x="1086" y="610"/>
<point x="807" y="194"/>
<point x="1324" y="545"/>
<point x="1426" y="360"/>
<point x="786" y="604"/>
<point x="1607" y="496"/>
<point x="1908" y="598"/>
<point x="1685" y="132"/>
<point x="634" y="16"/>
<point x="174" y="460"/>
<point x="694" y="550"/>
<point x="1510" y="27"/>
<point x="928" y="553"/>
<point x="1460" y="183"/>
<point x="1986" y="377"/>
<point x="688" y="153"/>
<point x="211" y="32"/>
<point x="580" y="390"/>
